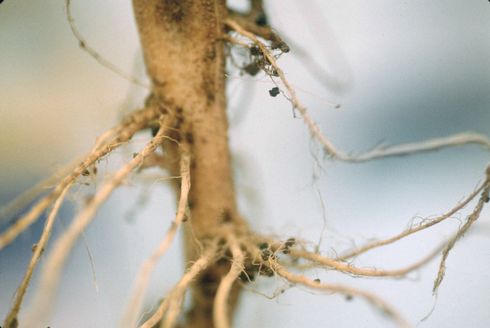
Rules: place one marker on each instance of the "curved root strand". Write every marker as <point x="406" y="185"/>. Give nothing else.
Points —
<point x="178" y="292"/>
<point x="22" y="201"/>
<point x="379" y="303"/>
<point x="176" y="296"/>
<point x="221" y="314"/>
<point x="414" y="229"/>
<point x="38" y="250"/>
<point x="55" y="262"/>
<point x="364" y="272"/>
<point x="94" y="54"/>
<point x="329" y="148"/>
<point x="143" y="278"/>
<point x="469" y="222"/>
<point x="123" y="133"/>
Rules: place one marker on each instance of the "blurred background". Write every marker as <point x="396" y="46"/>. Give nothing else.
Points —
<point x="402" y="71"/>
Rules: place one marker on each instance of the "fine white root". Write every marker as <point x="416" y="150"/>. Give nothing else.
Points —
<point x="377" y="153"/>
<point x="51" y="272"/>
<point x="177" y="293"/>
<point x="38" y="249"/>
<point x="365" y="272"/>
<point x="484" y="198"/>
<point x="220" y="308"/>
<point x="35" y="212"/>
<point x="23" y="200"/>
<point x="130" y="125"/>
<point x="94" y="54"/>
<point x="134" y="307"/>
<point x="414" y="229"/>
<point x="348" y="291"/>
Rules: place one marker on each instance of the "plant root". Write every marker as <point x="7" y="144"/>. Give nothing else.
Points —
<point x="179" y="290"/>
<point x="273" y="70"/>
<point x="333" y="264"/>
<point x="8" y="211"/>
<point x="220" y="309"/>
<point x="415" y="229"/>
<point x="143" y="278"/>
<point x="475" y="214"/>
<point x="38" y="249"/>
<point x="94" y="54"/>
<point x="246" y="254"/>
<point x="250" y="255"/>
<point x="348" y="291"/>
<point x="55" y="262"/>
<point x="242" y="255"/>
<point x="119" y="135"/>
